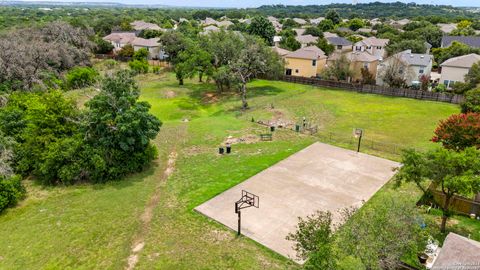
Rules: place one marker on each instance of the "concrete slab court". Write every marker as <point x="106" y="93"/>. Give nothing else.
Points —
<point x="319" y="177"/>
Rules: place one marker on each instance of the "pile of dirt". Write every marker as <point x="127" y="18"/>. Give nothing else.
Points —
<point x="170" y="94"/>
<point x="250" y="138"/>
<point x="210" y="97"/>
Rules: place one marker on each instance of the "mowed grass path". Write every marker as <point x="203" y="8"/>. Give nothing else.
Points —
<point x="92" y="226"/>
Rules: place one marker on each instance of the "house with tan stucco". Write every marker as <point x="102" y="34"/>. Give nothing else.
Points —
<point x="306" y="62"/>
<point x="358" y="60"/>
<point x="455" y="69"/>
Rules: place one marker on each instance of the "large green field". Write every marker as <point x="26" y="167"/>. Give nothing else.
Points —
<point x="95" y="226"/>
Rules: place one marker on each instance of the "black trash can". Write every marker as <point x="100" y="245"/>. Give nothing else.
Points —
<point x="229" y="149"/>
<point x="297" y="128"/>
<point x="272" y="128"/>
<point x="221" y="150"/>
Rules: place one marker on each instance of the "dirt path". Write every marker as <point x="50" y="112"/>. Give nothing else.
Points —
<point x="146" y="217"/>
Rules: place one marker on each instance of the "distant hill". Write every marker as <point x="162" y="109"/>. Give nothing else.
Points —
<point x="77" y="4"/>
<point x="370" y="10"/>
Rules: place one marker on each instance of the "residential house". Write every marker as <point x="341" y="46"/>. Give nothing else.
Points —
<point x="224" y="24"/>
<point x="209" y="21"/>
<point x="316" y="21"/>
<point x="344" y="30"/>
<point x="458" y="252"/>
<point x="375" y="21"/>
<point x="278" y="26"/>
<point x="306" y="62"/>
<point x="472" y="41"/>
<point x="245" y="21"/>
<point x="281" y="52"/>
<point x="306" y="40"/>
<point x="447" y="28"/>
<point x="329" y="34"/>
<point x="455" y="69"/>
<point x="208" y="29"/>
<point x="358" y="61"/>
<point x="414" y="66"/>
<point x="341" y="44"/>
<point x="277" y="40"/>
<point x="374" y="46"/>
<point x="141" y="25"/>
<point x="300" y="21"/>
<point x="151" y="44"/>
<point x="120" y="39"/>
<point x="400" y="23"/>
<point x="299" y="31"/>
<point x="366" y="30"/>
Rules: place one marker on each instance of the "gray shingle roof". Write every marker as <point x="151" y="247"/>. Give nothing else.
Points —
<point x="464" y="61"/>
<point x="339" y="41"/>
<point x="415" y="59"/>
<point x="471" y="41"/>
<point x="457" y="252"/>
<point x="310" y="52"/>
<point x="306" y="39"/>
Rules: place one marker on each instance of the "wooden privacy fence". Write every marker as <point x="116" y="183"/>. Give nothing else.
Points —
<point x="459" y="204"/>
<point x="380" y="90"/>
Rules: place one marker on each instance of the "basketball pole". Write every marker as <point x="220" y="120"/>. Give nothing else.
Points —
<point x="239" y="222"/>
<point x="237" y="210"/>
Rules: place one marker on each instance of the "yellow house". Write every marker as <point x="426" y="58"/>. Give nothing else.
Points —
<point x="305" y="62"/>
<point x="358" y="60"/>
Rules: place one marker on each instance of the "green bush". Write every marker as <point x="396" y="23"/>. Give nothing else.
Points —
<point x="156" y="70"/>
<point x="472" y="101"/>
<point x="110" y="63"/>
<point x="138" y="66"/>
<point x="102" y="46"/>
<point x="440" y="88"/>
<point x="11" y="191"/>
<point x="141" y="54"/>
<point x="79" y="77"/>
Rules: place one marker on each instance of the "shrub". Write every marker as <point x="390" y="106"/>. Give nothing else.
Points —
<point x="102" y="46"/>
<point x="141" y="54"/>
<point x="11" y="191"/>
<point x="79" y="77"/>
<point x="459" y="131"/>
<point x="126" y="51"/>
<point x="156" y="70"/>
<point x="472" y="101"/>
<point x="440" y="88"/>
<point x="138" y="66"/>
<point x="110" y="63"/>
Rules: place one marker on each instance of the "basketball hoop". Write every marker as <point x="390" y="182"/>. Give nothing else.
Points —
<point x="248" y="200"/>
<point x="358" y="133"/>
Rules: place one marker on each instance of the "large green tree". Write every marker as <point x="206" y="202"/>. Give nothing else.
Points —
<point x="120" y="126"/>
<point x="262" y="27"/>
<point x="449" y="171"/>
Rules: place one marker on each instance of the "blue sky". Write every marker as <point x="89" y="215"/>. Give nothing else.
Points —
<point x="255" y="3"/>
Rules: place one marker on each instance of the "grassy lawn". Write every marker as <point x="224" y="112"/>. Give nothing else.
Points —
<point x="92" y="226"/>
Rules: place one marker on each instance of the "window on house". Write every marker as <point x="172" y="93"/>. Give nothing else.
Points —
<point x="445" y="82"/>
<point x="358" y="48"/>
<point x="369" y="47"/>
<point x="421" y="71"/>
<point x="365" y="65"/>
<point x="296" y="70"/>
<point x="314" y="62"/>
<point x="339" y="47"/>
<point x="379" y="47"/>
